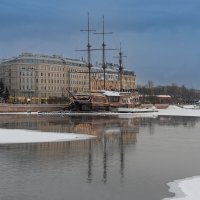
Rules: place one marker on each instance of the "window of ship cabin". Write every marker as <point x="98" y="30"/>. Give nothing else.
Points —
<point x="113" y="99"/>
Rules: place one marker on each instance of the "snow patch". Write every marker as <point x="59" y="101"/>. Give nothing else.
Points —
<point x="178" y="111"/>
<point x="185" y="189"/>
<point x="9" y="136"/>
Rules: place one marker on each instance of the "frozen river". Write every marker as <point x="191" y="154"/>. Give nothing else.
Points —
<point x="129" y="159"/>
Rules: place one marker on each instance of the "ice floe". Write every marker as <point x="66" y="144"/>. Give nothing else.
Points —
<point x="8" y="136"/>
<point x="185" y="189"/>
<point x="179" y="111"/>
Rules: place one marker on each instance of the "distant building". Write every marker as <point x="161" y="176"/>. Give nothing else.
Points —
<point x="39" y="77"/>
<point x="156" y="99"/>
<point x="112" y="78"/>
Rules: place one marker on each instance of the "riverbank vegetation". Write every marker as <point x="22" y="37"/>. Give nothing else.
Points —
<point x="178" y="94"/>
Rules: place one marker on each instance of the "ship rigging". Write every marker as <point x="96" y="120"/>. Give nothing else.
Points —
<point x="102" y="100"/>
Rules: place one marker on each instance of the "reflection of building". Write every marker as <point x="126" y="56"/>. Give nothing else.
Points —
<point x="39" y="77"/>
<point x="107" y="127"/>
<point x="113" y="134"/>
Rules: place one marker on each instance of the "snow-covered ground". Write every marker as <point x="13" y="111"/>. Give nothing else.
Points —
<point x="8" y="136"/>
<point x="178" y="111"/>
<point x="186" y="189"/>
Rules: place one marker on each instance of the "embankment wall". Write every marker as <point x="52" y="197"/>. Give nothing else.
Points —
<point x="30" y="107"/>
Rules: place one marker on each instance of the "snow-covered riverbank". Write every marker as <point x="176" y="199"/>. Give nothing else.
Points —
<point x="172" y="110"/>
<point x="179" y="111"/>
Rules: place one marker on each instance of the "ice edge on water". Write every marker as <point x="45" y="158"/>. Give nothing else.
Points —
<point x="13" y="136"/>
<point x="185" y="189"/>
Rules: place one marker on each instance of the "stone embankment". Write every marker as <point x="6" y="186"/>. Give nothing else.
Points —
<point x="30" y="107"/>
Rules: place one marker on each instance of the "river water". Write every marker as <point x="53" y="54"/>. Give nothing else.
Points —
<point x="130" y="159"/>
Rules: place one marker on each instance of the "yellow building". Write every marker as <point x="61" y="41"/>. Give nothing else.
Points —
<point x="39" y="77"/>
<point x="112" y="79"/>
<point x="36" y="78"/>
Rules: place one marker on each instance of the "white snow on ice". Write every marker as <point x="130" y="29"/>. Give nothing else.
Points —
<point x="178" y="111"/>
<point x="185" y="189"/>
<point x="8" y="136"/>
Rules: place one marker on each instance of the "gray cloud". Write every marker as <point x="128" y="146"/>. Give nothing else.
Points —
<point x="157" y="35"/>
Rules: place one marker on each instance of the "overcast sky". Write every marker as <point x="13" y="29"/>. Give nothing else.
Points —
<point x="161" y="38"/>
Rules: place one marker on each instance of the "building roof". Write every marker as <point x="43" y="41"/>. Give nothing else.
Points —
<point x="30" y="58"/>
<point x="111" y="93"/>
<point x="54" y="59"/>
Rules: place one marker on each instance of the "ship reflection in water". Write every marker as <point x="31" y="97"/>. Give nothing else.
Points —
<point x="130" y="158"/>
<point x="114" y="135"/>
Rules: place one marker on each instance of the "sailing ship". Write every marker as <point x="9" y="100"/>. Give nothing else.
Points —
<point x="104" y="100"/>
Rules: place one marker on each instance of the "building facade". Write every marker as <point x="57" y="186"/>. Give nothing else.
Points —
<point x="112" y="78"/>
<point x="40" y="77"/>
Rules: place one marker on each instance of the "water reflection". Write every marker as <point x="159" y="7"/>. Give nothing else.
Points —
<point x="122" y="156"/>
<point x="113" y="135"/>
<point x="170" y="121"/>
<point x="90" y="162"/>
<point x="127" y="157"/>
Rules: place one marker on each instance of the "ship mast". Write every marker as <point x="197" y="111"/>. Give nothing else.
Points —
<point x="88" y="30"/>
<point x="103" y="54"/>
<point x="121" y="68"/>
<point x="89" y="65"/>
